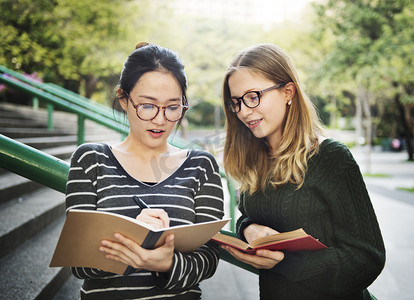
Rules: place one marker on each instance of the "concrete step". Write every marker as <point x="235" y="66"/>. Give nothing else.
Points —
<point x="49" y="141"/>
<point x="58" y="141"/>
<point x="13" y="186"/>
<point x="17" y="122"/>
<point x="25" y="273"/>
<point x="62" y="152"/>
<point x="15" y="133"/>
<point x="2" y="171"/>
<point x="70" y="290"/>
<point x="61" y="120"/>
<point x="24" y="217"/>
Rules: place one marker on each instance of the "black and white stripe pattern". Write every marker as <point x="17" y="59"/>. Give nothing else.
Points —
<point x="192" y="194"/>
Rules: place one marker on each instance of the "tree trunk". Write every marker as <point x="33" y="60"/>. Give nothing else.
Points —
<point x="90" y="85"/>
<point x="366" y="112"/>
<point x="405" y="119"/>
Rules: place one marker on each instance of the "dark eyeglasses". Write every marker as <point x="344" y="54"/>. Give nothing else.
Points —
<point x="148" y="111"/>
<point x="250" y="99"/>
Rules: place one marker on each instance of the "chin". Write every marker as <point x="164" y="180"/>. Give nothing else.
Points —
<point x="258" y="134"/>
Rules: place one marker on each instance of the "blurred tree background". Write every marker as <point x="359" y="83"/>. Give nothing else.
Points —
<point x="355" y="57"/>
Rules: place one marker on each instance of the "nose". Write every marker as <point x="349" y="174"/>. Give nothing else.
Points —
<point x="160" y="117"/>
<point x="244" y="110"/>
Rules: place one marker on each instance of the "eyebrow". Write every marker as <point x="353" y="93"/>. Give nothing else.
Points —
<point x="247" y="91"/>
<point x="155" y="99"/>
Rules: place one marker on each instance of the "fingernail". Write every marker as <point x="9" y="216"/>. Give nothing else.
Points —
<point x="117" y="235"/>
<point x="105" y="243"/>
<point x="101" y="249"/>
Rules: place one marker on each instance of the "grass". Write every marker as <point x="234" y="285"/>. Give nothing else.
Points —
<point x="411" y="190"/>
<point x="376" y="175"/>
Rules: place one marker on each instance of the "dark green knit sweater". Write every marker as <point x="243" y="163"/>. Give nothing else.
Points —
<point x="333" y="205"/>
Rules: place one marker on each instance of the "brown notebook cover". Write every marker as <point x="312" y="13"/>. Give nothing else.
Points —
<point x="83" y="231"/>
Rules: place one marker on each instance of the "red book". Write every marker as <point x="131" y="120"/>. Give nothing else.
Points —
<point x="296" y="240"/>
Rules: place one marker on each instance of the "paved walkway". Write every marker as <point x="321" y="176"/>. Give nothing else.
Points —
<point x="395" y="213"/>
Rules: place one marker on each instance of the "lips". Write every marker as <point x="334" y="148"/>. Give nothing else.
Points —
<point x="156" y="133"/>
<point x="253" y="124"/>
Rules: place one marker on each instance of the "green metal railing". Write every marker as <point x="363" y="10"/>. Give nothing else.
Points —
<point x="82" y="112"/>
<point x="63" y="93"/>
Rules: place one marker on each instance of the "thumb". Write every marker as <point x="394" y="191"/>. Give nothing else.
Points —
<point x="169" y="241"/>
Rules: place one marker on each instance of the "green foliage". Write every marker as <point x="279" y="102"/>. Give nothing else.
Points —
<point x="371" y="45"/>
<point x="25" y="39"/>
<point x="69" y="42"/>
<point x="203" y="114"/>
<point x="338" y="46"/>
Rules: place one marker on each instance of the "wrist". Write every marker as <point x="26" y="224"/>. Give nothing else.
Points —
<point x="242" y="226"/>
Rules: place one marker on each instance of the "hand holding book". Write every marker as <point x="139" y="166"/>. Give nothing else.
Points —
<point x="291" y="241"/>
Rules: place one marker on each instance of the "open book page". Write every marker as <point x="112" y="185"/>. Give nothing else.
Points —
<point x="278" y="237"/>
<point x="231" y="241"/>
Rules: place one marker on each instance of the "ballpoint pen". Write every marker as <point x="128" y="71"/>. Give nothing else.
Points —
<point x="140" y="202"/>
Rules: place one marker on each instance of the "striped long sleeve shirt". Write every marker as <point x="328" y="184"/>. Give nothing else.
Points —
<point x="191" y="194"/>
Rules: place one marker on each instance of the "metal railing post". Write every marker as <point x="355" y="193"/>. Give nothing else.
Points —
<point x="81" y="130"/>
<point x="49" y="116"/>
<point x="233" y="204"/>
<point x="35" y="103"/>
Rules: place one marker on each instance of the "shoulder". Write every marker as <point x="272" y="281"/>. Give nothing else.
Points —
<point x="202" y="157"/>
<point x="89" y="150"/>
<point x="334" y="147"/>
<point x="335" y="152"/>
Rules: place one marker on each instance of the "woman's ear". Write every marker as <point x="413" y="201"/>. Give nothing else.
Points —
<point x="123" y="100"/>
<point x="290" y="92"/>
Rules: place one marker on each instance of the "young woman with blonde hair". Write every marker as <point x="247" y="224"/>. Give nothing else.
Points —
<point x="291" y="176"/>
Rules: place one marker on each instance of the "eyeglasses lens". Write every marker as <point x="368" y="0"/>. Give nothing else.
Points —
<point x="149" y="111"/>
<point x="251" y="99"/>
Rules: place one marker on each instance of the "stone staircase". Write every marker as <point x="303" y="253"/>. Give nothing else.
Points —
<point x="31" y="215"/>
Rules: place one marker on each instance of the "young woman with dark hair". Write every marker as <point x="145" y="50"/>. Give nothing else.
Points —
<point x="180" y="186"/>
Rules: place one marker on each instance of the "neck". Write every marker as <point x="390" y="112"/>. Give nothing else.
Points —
<point x="131" y="146"/>
<point x="274" y="143"/>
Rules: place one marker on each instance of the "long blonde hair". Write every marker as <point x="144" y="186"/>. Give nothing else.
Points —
<point x="250" y="160"/>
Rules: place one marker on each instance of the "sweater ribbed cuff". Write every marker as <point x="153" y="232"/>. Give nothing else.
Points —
<point x="241" y="225"/>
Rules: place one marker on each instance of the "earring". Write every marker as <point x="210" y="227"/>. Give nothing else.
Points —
<point x="290" y="102"/>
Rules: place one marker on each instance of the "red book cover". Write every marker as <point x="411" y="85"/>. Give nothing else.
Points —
<point x="291" y="241"/>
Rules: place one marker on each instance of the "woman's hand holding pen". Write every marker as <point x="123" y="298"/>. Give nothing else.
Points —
<point x="156" y="218"/>
<point x="130" y="253"/>
<point x="263" y="259"/>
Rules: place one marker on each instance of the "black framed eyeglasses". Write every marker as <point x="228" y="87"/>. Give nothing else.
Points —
<point x="250" y="99"/>
<point x="148" y="111"/>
